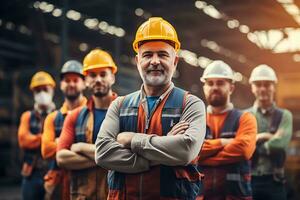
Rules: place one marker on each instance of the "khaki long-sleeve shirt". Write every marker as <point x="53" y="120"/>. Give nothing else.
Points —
<point x="147" y="150"/>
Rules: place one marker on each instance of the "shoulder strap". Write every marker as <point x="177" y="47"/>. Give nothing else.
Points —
<point x="231" y="123"/>
<point x="58" y="123"/>
<point x="173" y="109"/>
<point x="129" y="112"/>
<point x="80" y="125"/>
<point x="35" y="126"/>
<point x="276" y="119"/>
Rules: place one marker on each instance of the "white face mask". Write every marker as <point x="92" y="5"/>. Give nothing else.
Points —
<point x="43" y="98"/>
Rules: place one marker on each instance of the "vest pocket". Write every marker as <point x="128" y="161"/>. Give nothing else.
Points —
<point x="239" y="184"/>
<point x="181" y="182"/>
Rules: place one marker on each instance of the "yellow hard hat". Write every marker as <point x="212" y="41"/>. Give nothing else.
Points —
<point x="41" y="78"/>
<point x="156" y="28"/>
<point x="98" y="59"/>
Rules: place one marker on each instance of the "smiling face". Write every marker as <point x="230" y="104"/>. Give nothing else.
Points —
<point x="156" y="62"/>
<point x="100" y="81"/>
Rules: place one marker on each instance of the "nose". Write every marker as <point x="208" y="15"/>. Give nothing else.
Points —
<point x="214" y="86"/>
<point x="155" y="59"/>
<point x="98" y="78"/>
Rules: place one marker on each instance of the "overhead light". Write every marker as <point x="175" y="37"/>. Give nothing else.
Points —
<point x="23" y="29"/>
<point x="277" y="40"/>
<point x="200" y="4"/>
<point x="139" y="12"/>
<point x="10" y="25"/>
<point x="57" y="12"/>
<point x="49" y="8"/>
<point x="91" y="23"/>
<point x="211" y="11"/>
<point x="111" y="30"/>
<point x="36" y="4"/>
<point x="296" y="57"/>
<point x="103" y="25"/>
<point x="291" y="8"/>
<point x="244" y="29"/>
<point x="74" y="15"/>
<point x="43" y="6"/>
<point x="120" y="32"/>
<point x="203" y="61"/>
<point x="238" y="76"/>
<point x="83" y="47"/>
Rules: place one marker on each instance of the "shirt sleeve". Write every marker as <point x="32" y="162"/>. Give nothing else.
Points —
<point x="210" y="147"/>
<point x="67" y="135"/>
<point x="286" y="126"/>
<point x="241" y="148"/>
<point x="27" y="140"/>
<point x="178" y="149"/>
<point x="109" y="153"/>
<point x="48" y="137"/>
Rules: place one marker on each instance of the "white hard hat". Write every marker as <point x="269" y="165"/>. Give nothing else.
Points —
<point x="217" y="69"/>
<point x="263" y="73"/>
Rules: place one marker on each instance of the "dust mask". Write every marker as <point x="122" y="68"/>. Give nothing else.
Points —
<point x="43" y="98"/>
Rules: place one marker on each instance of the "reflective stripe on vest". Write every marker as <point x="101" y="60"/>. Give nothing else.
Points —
<point x="182" y="182"/>
<point x="237" y="174"/>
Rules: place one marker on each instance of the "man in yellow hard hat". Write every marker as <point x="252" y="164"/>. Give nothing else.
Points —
<point x="29" y="135"/>
<point x="150" y="138"/>
<point x="76" y="147"/>
<point x="72" y="86"/>
<point x="274" y="134"/>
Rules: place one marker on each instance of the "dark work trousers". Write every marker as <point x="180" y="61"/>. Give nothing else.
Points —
<point x="265" y="188"/>
<point x="33" y="186"/>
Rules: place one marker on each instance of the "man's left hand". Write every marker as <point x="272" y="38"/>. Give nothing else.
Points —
<point x="125" y="139"/>
<point x="77" y="147"/>
<point x="225" y="141"/>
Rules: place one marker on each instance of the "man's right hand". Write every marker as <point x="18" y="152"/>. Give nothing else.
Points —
<point x="263" y="136"/>
<point x="179" y="128"/>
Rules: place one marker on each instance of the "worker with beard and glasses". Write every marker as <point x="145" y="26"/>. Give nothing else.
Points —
<point x="150" y="139"/>
<point x="72" y="86"/>
<point x="230" y="138"/>
<point x="76" y="149"/>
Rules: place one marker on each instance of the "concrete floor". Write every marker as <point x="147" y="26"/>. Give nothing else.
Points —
<point x="10" y="192"/>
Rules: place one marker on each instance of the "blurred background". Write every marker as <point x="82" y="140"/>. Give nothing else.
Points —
<point x="42" y="35"/>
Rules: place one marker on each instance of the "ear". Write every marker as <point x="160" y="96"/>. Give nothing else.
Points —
<point x="136" y="58"/>
<point x="113" y="78"/>
<point x="60" y="84"/>
<point x="232" y="87"/>
<point x="176" y="60"/>
<point x="252" y="88"/>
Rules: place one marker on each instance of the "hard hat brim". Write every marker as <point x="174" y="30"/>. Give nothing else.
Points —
<point x="136" y="42"/>
<point x="203" y="79"/>
<point x="113" y="68"/>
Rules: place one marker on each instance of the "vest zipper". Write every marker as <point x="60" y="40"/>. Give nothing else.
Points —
<point x="148" y="118"/>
